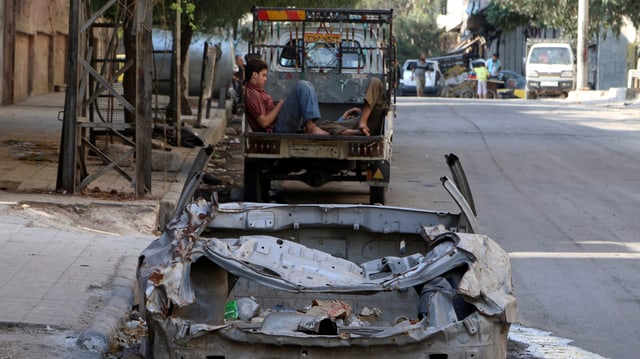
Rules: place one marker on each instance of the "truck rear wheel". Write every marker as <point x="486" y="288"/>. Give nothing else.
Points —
<point x="256" y="186"/>
<point x="377" y="194"/>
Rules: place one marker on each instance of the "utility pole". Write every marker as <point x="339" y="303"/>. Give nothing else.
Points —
<point x="583" y="34"/>
<point x="144" y="73"/>
<point x="66" y="179"/>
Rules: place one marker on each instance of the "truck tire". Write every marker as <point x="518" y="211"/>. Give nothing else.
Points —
<point x="377" y="194"/>
<point x="256" y="187"/>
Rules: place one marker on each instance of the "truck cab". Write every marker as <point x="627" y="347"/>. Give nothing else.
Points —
<point x="339" y="51"/>
<point x="550" y="68"/>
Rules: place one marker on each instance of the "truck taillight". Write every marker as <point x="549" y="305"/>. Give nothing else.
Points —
<point x="360" y="149"/>
<point x="263" y="146"/>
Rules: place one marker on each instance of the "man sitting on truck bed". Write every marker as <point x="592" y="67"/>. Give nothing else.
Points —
<point x="301" y="110"/>
<point x="298" y="110"/>
<point x="365" y="121"/>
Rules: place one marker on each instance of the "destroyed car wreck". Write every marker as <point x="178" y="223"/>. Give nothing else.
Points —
<point x="256" y="280"/>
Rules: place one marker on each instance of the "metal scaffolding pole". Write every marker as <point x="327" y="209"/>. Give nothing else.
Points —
<point x="66" y="179"/>
<point x="93" y="75"/>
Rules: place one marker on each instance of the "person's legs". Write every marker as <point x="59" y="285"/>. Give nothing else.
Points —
<point x="346" y="128"/>
<point x="419" y="85"/>
<point x="377" y="101"/>
<point x="300" y="106"/>
<point x="482" y="89"/>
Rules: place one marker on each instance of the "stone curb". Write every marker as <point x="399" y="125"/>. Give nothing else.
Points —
<point x="96" y="338"/>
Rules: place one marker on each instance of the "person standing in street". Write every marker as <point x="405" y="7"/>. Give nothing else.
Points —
<point x="494" y="65"/>
<point x="418" y="74"/>
<point x="482" y="76"/>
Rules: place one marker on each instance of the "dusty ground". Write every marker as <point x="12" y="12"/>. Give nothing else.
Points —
<point x="118" y="218"/>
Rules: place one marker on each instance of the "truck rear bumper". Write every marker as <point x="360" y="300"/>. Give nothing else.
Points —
<point x="287" y="145"/>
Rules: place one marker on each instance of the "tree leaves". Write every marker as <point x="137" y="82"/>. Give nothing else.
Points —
<point x="603" y="14"/>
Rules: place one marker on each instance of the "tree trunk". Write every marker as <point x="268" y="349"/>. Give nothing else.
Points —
<point x="185" y="40"/>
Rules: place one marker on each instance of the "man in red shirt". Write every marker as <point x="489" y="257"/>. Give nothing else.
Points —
<point x="297" y="111"/>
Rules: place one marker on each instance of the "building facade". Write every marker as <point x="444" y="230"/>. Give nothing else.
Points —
<point x="33" y="47"/>
<point x="610" y="56"/>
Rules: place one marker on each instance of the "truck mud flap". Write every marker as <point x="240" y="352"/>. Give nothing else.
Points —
<point x="256" y="184"/>
<point x="378" y="177"/>
<point x="379" y="173"/>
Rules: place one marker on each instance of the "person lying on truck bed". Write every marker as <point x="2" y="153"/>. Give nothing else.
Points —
<point x="365" y="121"/>
<point x="298" y="110"/>
<point x="301" y="110"/>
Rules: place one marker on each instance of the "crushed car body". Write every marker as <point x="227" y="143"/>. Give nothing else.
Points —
<point x="259" y="280"/>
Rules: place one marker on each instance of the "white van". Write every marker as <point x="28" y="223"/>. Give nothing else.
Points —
<point x="550" y="68"/>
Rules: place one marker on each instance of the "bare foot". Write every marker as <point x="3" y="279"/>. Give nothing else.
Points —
<point x="312" y="129"/>
<point x="351" y="132"/>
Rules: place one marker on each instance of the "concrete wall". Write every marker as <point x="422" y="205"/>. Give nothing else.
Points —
<point x="38" y="46"/>
<point x="612" y="58"/>
<point x="512" y="48"/>
<point x="23" y="60"/>
<point x="455" y="15"/>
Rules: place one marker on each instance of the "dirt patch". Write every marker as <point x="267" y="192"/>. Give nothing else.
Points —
<point x="30" y="151"/>
<point x="20" y="341"/>
<point x="225" y="169"/>
<point x="103" y="218"/>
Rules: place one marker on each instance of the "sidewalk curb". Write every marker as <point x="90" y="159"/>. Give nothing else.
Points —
<point x="97" y="337"/>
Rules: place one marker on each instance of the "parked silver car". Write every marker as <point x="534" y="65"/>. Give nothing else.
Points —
<point x="432" y="86"/>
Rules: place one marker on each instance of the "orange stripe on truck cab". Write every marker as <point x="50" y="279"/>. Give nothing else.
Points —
<point x="280" y="15"/>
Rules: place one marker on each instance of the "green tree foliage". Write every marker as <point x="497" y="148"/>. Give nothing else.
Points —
<point x="415" y="27"/>
<point x="563" y="14"/>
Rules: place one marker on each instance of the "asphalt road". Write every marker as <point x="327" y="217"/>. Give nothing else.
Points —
<point x="555" y="183"/>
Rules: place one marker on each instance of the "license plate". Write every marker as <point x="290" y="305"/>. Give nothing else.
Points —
<point x="549" y="83"/>
<point x="317" y="149"/>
